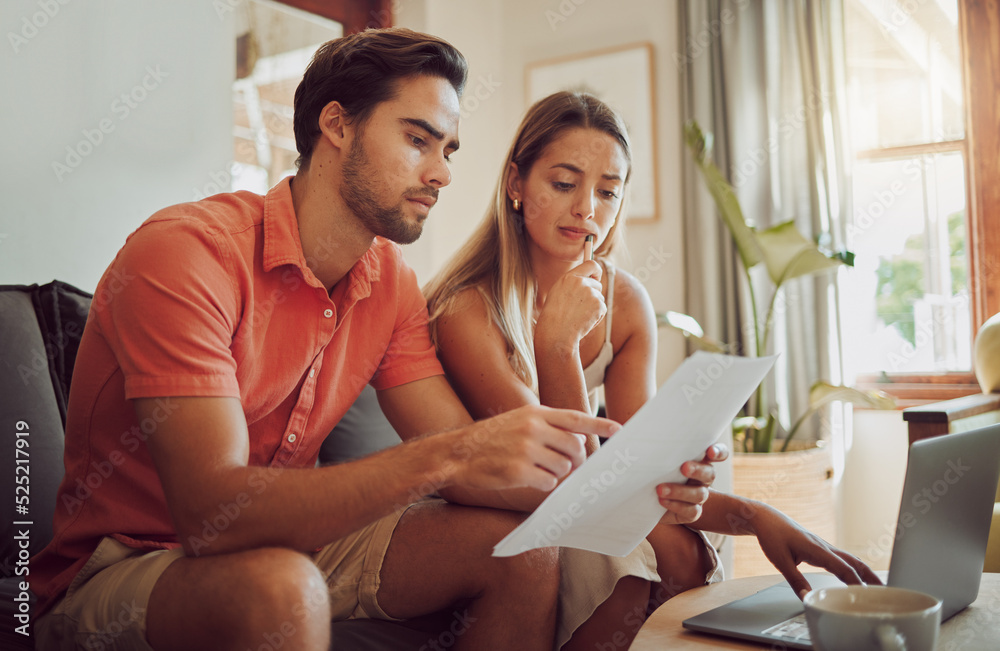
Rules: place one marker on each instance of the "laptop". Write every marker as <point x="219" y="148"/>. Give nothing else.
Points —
<point x="940" y="541"/>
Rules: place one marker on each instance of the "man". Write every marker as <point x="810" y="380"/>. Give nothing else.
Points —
<point x="192" y="515"/>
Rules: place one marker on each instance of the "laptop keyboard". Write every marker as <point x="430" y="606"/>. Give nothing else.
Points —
<point x="791" y="629"/>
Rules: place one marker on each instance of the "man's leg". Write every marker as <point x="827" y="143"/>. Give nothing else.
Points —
<point x="265" y="598"/>
<point x="441" y="554"/>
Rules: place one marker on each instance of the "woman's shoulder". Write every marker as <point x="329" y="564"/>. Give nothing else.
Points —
<point x="628" y="290"/>
<point x="469" y="297"/>
<point x="632" y="306"/>
<point x="466" y="305"/>
<point x="466" y="327"/>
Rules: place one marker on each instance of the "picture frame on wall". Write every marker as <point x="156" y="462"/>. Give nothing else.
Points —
<point x="622" y="77"/>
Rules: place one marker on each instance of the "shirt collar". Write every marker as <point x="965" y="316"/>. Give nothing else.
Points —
<point x="282" y="244"/>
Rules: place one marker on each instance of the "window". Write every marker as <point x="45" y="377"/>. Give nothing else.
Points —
<point x="274" y="49"/>
<point x="917" y="294"/>
<point x="275" y="42"/>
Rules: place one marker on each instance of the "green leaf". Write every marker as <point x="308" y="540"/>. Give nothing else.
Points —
<point x="787" y="254"/>
<point x="744" y="423"/>
<point x="764" y="437"/>
<point x="845" y="256"/>
<point x="822" y="393"/>
<point x="725" y="197"/>
<point x="692" y="330"/>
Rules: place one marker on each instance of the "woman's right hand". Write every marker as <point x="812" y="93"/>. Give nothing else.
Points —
<point x="574" y="306"/>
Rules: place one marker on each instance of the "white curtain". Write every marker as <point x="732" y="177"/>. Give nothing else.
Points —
<point x="766" y="79"/>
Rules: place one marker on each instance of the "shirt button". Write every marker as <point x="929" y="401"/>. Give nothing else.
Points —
<point x="312" y="372"/>
<point x="291" y="438"/>
<point x="328" y="313"/>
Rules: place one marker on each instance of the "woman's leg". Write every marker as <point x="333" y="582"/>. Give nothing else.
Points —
<point x="683" y="562"/>
<point x="616" y="621"/>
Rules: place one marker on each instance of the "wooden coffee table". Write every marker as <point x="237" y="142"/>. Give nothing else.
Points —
<point x="976" y="627"/>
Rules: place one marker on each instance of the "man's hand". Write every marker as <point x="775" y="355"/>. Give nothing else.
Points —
<point x="683" y="502"/>
<point x="786" y="544"/>
<point x="532" y="446"/>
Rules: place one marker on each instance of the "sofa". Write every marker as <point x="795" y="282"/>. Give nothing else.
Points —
<point x="40" y="330"/>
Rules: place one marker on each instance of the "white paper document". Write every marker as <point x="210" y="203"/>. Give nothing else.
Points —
<point x="609" y="504"/>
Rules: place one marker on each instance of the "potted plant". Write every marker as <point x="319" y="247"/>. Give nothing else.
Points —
<point x="797" y="481"/>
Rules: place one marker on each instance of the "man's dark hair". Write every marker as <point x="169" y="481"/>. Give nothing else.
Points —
<point x="361" y="70"/>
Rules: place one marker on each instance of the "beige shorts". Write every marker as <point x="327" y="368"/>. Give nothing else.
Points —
<point x="104" y="607"/>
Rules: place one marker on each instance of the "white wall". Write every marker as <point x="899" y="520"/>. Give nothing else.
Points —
<point x="871" y="487"/>
<point x="476" y="29"/>
<point x="500" y="39"/>
<point x="64" y="72"/>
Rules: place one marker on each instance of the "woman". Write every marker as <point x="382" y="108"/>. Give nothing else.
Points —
<point x="522" y="315"/>
<point x="551" y="327"/>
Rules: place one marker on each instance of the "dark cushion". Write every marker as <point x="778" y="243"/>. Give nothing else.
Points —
<point x="61" y="310"/>
<point x="380" y="635"/>
<point x="364" y="429"/>
<point x="40" y="329"/>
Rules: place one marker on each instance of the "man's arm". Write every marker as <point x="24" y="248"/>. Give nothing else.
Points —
<point x="431" y="405"/>
<point x="201" y="453"/>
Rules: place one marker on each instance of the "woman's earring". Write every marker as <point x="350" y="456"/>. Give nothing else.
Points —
<point x="517" y="205"/>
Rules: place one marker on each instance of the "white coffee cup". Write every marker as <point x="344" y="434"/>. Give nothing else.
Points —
<point x="872" y="618"/>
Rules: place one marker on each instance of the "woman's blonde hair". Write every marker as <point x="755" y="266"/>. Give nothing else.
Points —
<point x="495" y="259"/>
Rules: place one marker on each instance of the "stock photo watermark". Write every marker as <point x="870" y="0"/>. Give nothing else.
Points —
<point x="486" y="87"/>
<point x="120" y="108"/>
<point x="707" y="32"/>
<point x="22" y="525"/>
<point x="460" y="624"/>
<point x="130" y="615"/>
<point x="924" y="332"/>
<point x="882" y="200"/>
<point x="590" y="493"/>
<point x="706" y="377"/>
<point x="31" y="25"/>
<point x="315" y="601"/>
<point x="786" y="127"/>
<point x="130" y="441"/>
<point x="900" y="12"/>
<point x="561" y="12"/>
<point x="921" y="502"/>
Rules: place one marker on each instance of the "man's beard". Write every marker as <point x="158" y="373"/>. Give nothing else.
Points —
<point x="359" y="190"/>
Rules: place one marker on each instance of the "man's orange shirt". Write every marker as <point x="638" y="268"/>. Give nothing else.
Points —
<point x="215" y="298"/>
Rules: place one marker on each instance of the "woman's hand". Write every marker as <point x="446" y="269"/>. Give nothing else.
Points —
<point x="574" y="305"/>
<point x="684" y="502"/>
<point x="786" y="544"/>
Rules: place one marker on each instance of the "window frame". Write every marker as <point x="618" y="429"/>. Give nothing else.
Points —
<point x="979" y="36"/>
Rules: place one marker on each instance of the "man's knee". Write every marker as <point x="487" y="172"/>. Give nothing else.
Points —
<point x="283" y="580"/>
<point x="276" y="595"/>
<point x="536" y="570"/>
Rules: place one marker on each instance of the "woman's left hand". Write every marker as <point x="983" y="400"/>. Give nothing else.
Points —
<point x="684" y="502"/>
<point x="786" y="544"/>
